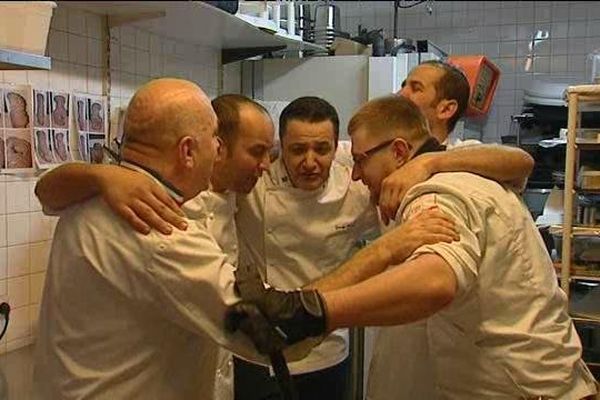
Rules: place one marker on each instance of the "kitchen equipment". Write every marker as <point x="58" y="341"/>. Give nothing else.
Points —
<point x="304" y="23"/>
<point x="395" y="46"/>
<point x="24" y="25"/>
<point x="327" y="24"/>
<point x="593" y="66"/>
<point x="588" y="179"/>
<point x="586" y="244"/>
<point x="483" y="77"/>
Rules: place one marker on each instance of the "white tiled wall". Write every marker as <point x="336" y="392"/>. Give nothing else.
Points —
<point x="502" y="31"/>
<point x="76" y="44"/>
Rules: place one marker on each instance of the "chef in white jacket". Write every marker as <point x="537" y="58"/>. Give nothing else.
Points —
<point x="441" y="91"/>
<point x="246" y="132"/>
<point x="126" y="315"/>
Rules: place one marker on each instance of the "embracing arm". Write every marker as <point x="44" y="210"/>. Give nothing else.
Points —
<point x="504" y="164"/>
<point x="430" y="226"/>
<point x="413" y="291"/>
<point x="69" y="184"/>
<point x="507" y="165"/>
<point x="132" y="195"/>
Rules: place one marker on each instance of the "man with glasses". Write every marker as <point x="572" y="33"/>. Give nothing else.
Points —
<point x="497" y="322"/>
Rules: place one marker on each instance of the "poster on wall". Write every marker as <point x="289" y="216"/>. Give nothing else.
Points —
<point x="91" y="125"/>
<point x="18" y="149"/>
<point x="60" y="145"/>
<point x="43" y="148"/>
<point x="41" y="109"/>
<point x="60" y="110"/>
<point x="51" y="133"/>
<point x="17" y="121"/>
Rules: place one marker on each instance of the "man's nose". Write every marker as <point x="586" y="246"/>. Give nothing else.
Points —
<point x="355" y="172"/>
<point x="265" y="163"/>
<point x="310" y="161"/>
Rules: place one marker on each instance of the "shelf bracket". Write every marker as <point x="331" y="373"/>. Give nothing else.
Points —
<point x="124" y="19"/>
<point x="231" y="55"/>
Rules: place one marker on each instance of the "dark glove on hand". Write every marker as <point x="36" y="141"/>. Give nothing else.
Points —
<point x="247" y="318"/>
<point x="296" y="314"/>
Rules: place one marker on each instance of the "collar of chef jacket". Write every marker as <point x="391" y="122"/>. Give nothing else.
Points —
<point x="175" y="193"/>
<point x="336" y="187"/>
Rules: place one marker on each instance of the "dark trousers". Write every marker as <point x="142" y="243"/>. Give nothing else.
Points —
<point x="253" y="382"/>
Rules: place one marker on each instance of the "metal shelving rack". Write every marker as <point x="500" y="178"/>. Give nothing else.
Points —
<point x="580" y="99"/>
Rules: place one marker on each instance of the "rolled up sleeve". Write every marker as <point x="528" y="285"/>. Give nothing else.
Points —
<point x="462" y="256"/>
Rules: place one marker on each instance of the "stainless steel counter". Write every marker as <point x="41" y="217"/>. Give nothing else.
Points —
<point x="16" y="375"/>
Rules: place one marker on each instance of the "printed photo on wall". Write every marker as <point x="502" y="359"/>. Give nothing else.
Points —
<point x="43" y="148"/>
<point x="41" y="109"/>
<point x="18" y="148"/>
<point x="60" y="110"/>
<point x="97" y="115"/>
<point x="83" y="147"/>
<point x="2" y="152"/>
<point x="95" y="145"/>
<point x="60" y="145"/>
<point x="17" y="100"/>
<point x="81" y="114"/>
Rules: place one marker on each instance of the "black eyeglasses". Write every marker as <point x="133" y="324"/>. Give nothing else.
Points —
<point x="362" y="157"/>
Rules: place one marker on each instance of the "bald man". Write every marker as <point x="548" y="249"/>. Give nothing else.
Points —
<point x="126" y="315"/>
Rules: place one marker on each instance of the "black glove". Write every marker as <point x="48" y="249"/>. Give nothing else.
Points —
<point x="295" y="314"/>
<point x="247" y="318"/>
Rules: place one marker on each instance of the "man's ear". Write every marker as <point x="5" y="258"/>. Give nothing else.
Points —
<point x="446" y="109"/>
<point x="401" y="150"/>
<point x="186" y="147"/>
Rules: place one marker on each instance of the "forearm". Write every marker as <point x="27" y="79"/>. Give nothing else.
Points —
<point x="503" y="164"/>
<point x="368" y="261"/>
<point x="70" y="184"/>
<point x="404" y="294"/>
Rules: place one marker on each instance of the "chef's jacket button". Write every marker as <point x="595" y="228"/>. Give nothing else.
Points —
<point x="270" y="230"/>
<point x="229" y="363"/>
<point x="211" y="215"/>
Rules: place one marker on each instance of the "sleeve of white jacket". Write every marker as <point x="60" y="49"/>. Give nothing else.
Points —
<point x="462" y="256"/>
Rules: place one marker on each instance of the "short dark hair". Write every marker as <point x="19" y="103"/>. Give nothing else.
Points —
<point x="391" y="116"/>
<point x="452" y="85"/>
<point x="309" y="109"/>
<point x="227" y="107"/>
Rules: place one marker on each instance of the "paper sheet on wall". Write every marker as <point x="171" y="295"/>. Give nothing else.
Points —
<point x="16" y="128"/>
<point x="91" y="126"/>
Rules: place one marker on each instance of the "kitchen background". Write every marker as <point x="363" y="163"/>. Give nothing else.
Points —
<point x="500" y="30"/>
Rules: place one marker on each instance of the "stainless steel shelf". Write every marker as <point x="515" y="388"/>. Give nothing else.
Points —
<point x="16" y="60"/>
<point x="196" y="22"/>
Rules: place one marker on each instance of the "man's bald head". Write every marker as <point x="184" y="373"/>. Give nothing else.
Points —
<point x="164" y="110"/>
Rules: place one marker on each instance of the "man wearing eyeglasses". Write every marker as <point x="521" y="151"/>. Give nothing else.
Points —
<point x="497" y="322"/>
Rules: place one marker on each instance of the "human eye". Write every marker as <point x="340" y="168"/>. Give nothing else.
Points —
<point x="323" y="148"/>
<point x="297" y="149"/>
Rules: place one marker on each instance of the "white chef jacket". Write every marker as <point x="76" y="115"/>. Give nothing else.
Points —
<point x="217" y="210"/>
<point x="404" y="348"/>
<point x="507" y="334"/>
<point x="126" y="315"/>
<point x="296" y="236"/>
